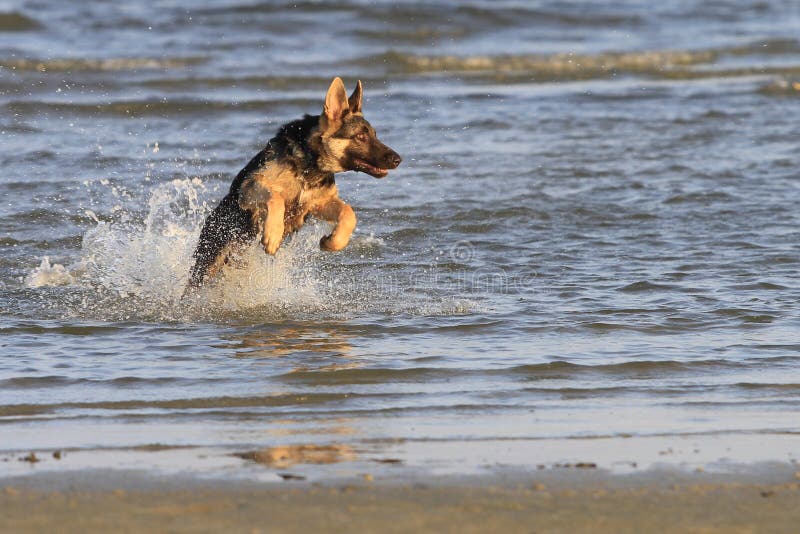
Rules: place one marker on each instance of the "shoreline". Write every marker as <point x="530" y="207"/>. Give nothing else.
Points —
<point x="324" y="457"/>
<point x="763" y="497"/>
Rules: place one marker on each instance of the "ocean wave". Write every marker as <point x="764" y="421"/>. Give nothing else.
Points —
<point x="100" y="64"/>
<point x="656" y="64"/>
<point x="196" y="403"/>
<point x="16" y="22"/>
<point x="472" y="16"/>
<point x="534" y="371"/>
<point x="775" y="46"/>
<point x="153" y="107"/>
<point x="564" y="65"/>
<point x="293" y="83"/>
<point x="783" y="86"/>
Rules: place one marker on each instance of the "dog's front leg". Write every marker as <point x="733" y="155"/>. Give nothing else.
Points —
<point x="272" y="234"/>
<point x="335" y="210"/>
<point x="254" y="197"/>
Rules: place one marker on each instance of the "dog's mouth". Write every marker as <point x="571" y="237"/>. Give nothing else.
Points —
<point x="372" y="170"/>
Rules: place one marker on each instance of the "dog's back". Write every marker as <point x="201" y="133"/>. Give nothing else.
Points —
<point x="226" y="226"/>
<point x="231" y="224"/>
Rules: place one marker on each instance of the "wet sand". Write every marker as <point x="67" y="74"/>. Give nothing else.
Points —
<point x="765" y="500"/>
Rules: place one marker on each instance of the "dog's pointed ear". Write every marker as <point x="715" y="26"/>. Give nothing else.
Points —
<point x="336" y="105"/>
<point x="355" y="98"/>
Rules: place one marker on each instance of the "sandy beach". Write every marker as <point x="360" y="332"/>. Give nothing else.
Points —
<point x="758" y="500"/>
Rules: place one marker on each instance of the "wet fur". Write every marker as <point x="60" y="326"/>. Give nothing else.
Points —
<point x="291" y="179"/>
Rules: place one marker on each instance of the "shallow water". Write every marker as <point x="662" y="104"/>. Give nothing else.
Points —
<point x="593" y="234"/>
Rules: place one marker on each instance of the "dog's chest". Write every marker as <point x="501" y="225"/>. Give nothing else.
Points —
<point x="307" y="201"/>
<point x="279" y="178"/>
<point x="314" y="197"/>
<point x="300" y="197"/>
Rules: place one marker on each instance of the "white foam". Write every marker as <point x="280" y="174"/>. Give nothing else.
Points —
<point x="367" y="242"/>
<point x="49" y="275"/>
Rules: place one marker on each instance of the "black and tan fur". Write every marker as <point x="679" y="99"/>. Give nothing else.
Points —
<point x="293" y="178"/>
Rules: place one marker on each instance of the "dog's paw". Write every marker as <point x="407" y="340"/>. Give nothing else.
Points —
<point x="327" y="243"/>
<point x="271" y="244"/>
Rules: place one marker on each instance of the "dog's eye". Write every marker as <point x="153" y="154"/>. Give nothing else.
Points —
<point x="362" y="137"/>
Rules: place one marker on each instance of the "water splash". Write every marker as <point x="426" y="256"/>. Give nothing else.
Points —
<point x="149" y="259"/>
<point x="49" y="275"/>
<point x="137" y="267"/>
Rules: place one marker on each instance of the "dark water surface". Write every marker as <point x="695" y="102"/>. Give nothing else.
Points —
<point x="594" y="233"/>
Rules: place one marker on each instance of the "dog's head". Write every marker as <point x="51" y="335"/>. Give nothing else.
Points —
<point x="349" y="142"/>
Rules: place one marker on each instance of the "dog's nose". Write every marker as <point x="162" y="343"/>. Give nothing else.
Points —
<point x="395" y="159"/>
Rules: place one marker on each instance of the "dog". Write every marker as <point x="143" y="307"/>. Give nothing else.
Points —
<point x="291" y="179"/>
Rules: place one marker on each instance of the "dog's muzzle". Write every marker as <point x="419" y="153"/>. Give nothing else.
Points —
<point x="390" y="160"/>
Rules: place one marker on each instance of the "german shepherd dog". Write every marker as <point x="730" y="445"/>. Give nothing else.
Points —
<point x="291" y="179"/>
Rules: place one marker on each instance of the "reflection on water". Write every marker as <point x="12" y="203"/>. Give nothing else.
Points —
<point x="323" y="342"/>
